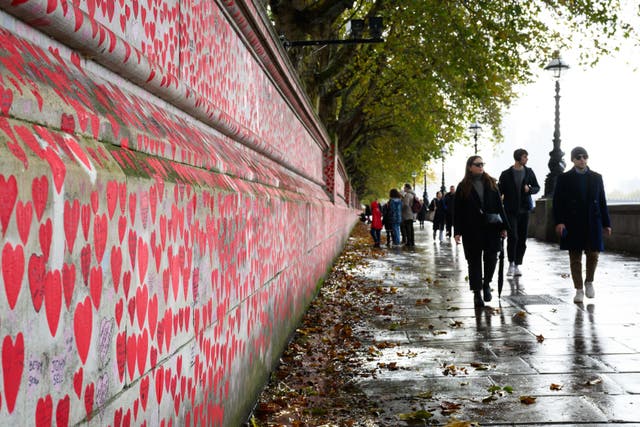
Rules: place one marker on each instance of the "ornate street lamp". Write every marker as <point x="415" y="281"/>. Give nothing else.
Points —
<point x="414" y="174"/>
<point x="442" y="187"/>
<point x="556" y="162"/>
<point x="424" y="193"/>
<point x="475" y="128"/>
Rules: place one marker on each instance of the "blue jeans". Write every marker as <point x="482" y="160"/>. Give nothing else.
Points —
<point x="376" y="236"/>
<point x="395" y="227"/>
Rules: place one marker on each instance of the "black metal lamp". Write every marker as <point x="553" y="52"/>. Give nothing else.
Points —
<point x="475" y="128"/>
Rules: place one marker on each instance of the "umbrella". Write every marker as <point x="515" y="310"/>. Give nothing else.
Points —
<point x="501" y="268"/>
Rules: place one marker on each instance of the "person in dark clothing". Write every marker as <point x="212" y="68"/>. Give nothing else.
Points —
<point x="387" y="222"/>
<point x="408" y="215"/>
<point x="448" y="202"/>
<point x="517" y="184"/>
<point x="480" y="221"/>
<point x="437" y="207"/>
<point x="422" y="215"/>
<point x="582" y="217"/>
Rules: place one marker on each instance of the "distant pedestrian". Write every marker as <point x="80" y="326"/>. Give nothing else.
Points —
<point x="407" y="215"/>
<point x="480" y="221"/>
<point x="582" y="217"/>
<point x="422" y="214"/>
<point x="517" y="184"/>
<point x="437" y="207"/>
<point x="395" y="203"/>
<point x="448" y="201"/>
<point x="386" y="221"/>
<point x="376" y="223"/>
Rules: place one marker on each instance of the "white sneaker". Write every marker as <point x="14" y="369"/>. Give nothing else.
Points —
<point x="517" y="272"/>
<point x="579" y="296"/>
<point x="512" y="269"/>
<point x="589" y="292"/>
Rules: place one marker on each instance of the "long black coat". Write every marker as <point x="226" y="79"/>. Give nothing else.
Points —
<point x="582" y="207"/>
<point x="515" y="199"/>
<point x="469" y="219"/>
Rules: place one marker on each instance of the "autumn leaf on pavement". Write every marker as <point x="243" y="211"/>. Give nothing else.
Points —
<point x="594" y="381"/>
<point x="480" y="366"/>
<point x="449" y="408"/>
<point x="540" y="338"/>
<point x="521" y="314"/>
<point x="527" y="400"/>
<point x="555" y="387"/>
<point x="415" y="416"/>
<point x="457" y="423"/>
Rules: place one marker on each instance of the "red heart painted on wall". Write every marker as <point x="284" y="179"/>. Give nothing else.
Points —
<point x="153" y="314"/>
<point x="131" y="355"/>
<point x="8" y="196"/>
<point x="85" y="263"/>
<point x="133" y="237"/>
<point x="153" y="357"/>
<point x="77" y="382"/>
<point x="71" y="222"/>
<point x="45" y="232"/>
<point x="121" y="354"/>
<point x="142" y="350"/>
<point x="95" y="201"/>
<point x="118" y="311"/>
<point x="83" y="328"/>
<point x="24" y="214"/>
<point x="131" y="307"/>
<point x="12" y="272"/>
<point x="85" y="220"/>
<point x="44" y="409"/>
<point x="159" y="384"/>
<point x="112" y="197"/>
<point x="53" y="299"/>
<point x="116" y="266"/>
<point x="144" y="392"/>
<point x="88" y="399"/>
<point x="126" y="283"/>
<point x="57" y="166"/>
<point x="36" y="273"/>
<point x="12" y="367"/>
<point x="6" y="99"/>
<point x="122" y="227"/>
<point x="142" y="299"/>
<point x="68" y="282"/>
<point x="100" y="235"/>
<point x="95" y="286"/>
<point x="62" y="412"/>
<point x="132" y="208"/>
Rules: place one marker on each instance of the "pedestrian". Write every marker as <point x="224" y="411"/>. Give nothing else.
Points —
<point x="395" y="202"/>
<point x="376" y="223"/>
<point x="408" y="215"/>
<point x="422" y="214"/>
<point x="479" y="220"/>
<point x="582" y="217"/>
<point x="437" y="207"/>
<point x="386" y="221"/>
<point x="517" y="184"/>
<point x="448" y="203"/>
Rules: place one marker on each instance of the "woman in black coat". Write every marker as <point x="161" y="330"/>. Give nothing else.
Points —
<point x="479" y="219"/>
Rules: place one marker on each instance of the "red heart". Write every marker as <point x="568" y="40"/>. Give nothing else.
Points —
<point x="8" y="196"/>
<point x="68" y="282"/>
<point x="121" y="354"/>
<point x="122" y="195"/>
<point x="119" y="310"/>
<point x="159" y="381"/>
<point x="142" y="347"/>
<point x="57" y="166"/>
<point x="132" y="208"/>
<point x="153" y="357"/>
<point x="144" y="209"/>
<point x="153" y="314"/>
<point x="131" y="307"/>
<point x="12" y="366"/>
<point x="62" y="412"/>
<point x="53" y="299"/>
<point x="100" y="235"/>
<point x="77" y="381"/>
<point x="142" y="299"/>
<point x="116" y="266"/>
<point x="85" y="220"/>
<point x="136" y="403"/>
<point x="37" y="271"/>
<point x="166" y="275"/>
<point x="44" y="409"/>
<point x="131" y="355"/>
<point x="143" y="259"/>
<point x="122" y="227"/>
<point x="45" y="233"/>
<point x="12" y="272"/>
<point x="167" y="329"/>
<point x="71" y="221"/>
<point x="24" y="214"/>
<point x="78" y="152"/>
<point x="112" y="197"/>
<point x="133" y="236"/>
<point x="95" y="201"/>
<point x="117" y="418"/>
<point x="144" y="392"/>
<point x="6" y="99"/>
<point x="83" y="328"/>
<point x="85" y="263"/>
<point x="126" y="282"/>
<point x="153" y="202"/>
<point x="95" y="286"/>
<point x="88" y="399"/>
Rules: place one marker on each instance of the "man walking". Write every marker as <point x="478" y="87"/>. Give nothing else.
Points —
<point x="407" y="215"/>
<point x="582" y="217"/>
<point x="447" y="203"/>
<point x="517" y="184"/>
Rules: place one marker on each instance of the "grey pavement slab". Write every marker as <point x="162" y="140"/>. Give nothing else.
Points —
<point x="574" y="364"/>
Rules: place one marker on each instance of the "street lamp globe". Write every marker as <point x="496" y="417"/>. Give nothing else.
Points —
<point x="442" y="186"/>
<point x="475" y="128"/>
<point x="414" y="174"/>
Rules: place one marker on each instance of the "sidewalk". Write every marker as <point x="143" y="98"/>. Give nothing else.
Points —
<point x="532" y="357"/>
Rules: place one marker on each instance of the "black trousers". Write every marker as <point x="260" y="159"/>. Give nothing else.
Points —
<point x="517" y="237"/>
<point x="408" y="232"/>
<point x="481" y="253"/>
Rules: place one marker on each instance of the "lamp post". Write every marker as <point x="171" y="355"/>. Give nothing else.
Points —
<point x="475" y="128"/>
<point x="442" y="187"/>
<point x="424" y="193"/>
<point x="414" y="174"/>
<point x="556" y="162"/>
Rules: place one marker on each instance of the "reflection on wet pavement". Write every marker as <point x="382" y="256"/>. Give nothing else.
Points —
<point x="579" y="363"/>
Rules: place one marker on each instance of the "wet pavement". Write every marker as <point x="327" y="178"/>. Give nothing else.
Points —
<point x="532" y="357"/>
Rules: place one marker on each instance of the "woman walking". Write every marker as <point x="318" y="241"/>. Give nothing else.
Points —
<point x="395" y="202"/>
<point x="480" y="221"/>
<point x="376" y="223"/>
<point x="437" y="205"/>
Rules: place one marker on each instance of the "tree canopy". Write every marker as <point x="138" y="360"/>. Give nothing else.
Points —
<point x="444" y="64"/>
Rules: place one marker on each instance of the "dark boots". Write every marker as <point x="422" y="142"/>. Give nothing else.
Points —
<point x="477" y="299"/>
<point x="486" y="291"/>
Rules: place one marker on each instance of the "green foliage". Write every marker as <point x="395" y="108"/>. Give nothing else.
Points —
<point x="392" y="106"/>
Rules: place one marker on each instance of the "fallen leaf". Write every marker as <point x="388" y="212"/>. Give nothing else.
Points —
<point x="527" y="400"/>
<point x="415" y="416"/>
<point x="449" y="408"/>
<point x="555" y="387"/>
<point x="540" y="338"/>
<point x="594" y="381"/>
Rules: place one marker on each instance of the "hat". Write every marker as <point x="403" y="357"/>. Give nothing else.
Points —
<point x="577" y="151"/>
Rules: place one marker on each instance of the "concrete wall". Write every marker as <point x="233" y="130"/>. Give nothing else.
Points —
<point x="625" y="222"/>
<point x="168" y="205"/>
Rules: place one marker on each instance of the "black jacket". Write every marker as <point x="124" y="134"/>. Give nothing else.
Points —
<point x="515" y="199"/>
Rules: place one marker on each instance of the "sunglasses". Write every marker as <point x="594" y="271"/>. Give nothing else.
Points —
<point x="479" y="165"/>
<point x="581" y="157"/>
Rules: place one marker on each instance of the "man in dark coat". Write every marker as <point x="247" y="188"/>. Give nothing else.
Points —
<point x="582" y="217"/>
<point x="517" y="184"/>
<point x="448" y="202"/>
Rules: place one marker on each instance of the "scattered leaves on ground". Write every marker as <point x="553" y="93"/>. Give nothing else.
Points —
<point x="527" y="400"/>
<point x="555" y="387"/>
